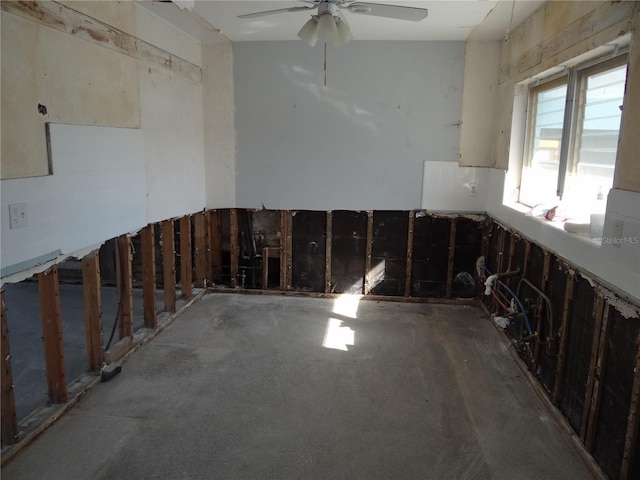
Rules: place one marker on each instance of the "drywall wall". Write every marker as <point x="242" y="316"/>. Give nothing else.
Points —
<point x="171" y="110"/>
<point x="220" y="133"/>
<point x="479" y="99"/>
<point x="627" y="174"/>
<point x="97" y="191"/>
<point x="42" y="66"/>
<point x="357" y="143"/>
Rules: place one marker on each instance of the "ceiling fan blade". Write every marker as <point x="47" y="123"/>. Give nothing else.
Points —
<point x="389" y="11"/>
<point x="273" y="12"/>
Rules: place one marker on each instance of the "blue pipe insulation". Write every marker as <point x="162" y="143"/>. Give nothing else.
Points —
<point x="515" y="297"/>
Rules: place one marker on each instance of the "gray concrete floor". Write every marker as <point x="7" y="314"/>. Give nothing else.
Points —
<point x="242" y="387"/>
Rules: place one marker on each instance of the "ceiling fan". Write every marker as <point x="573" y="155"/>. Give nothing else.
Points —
<point x="329" y="24"/>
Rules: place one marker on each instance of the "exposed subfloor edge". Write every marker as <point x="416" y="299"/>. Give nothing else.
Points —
<point x="41" y="419"/>
<point x="555" y="413"/>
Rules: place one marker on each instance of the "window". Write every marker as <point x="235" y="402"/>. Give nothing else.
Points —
<point x="573" y="122"/>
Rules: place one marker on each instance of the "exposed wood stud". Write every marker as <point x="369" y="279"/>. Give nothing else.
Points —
<point x="49" y="293"/>
<point x="633" y="423"/>
<point x="283" y="246"/>
<point x="215" y="244"/>
<point x="512" y="253"/>
<point x="148" y="253"/>
<point x="527" y="252"/>
<point x="539" y="307"/>
<point x="598" y="377"/>
<point x="208" y="266"/>
<point x="409" y="264"/>
<point x="169" y="265"/>
<point x="199" y="250"/>
<point x="501" y="255"/>
<point x="79" y="25"/>
<point x="327" y="256"/>
<point x="563" y="333"/>
<point x="235" y="246"/>
<point x="369" y="248"/>
<point x="8" y="406"/>
<point x="288" y="252"/>
<point x="598" y="308"/>
<point x="92" y="310"/>
<point x="186" y="266"/>
<point x="125" y="286"/>
<point x="452" y="252"/>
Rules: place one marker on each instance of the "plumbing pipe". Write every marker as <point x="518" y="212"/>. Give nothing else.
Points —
<point x="544" y="297"/>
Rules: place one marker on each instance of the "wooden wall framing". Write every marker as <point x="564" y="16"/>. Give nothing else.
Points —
<point x="9" y="423"/>
<point x="169" y="265"/>
<point x="92" y="311"/>
<point x="49" y="292"/>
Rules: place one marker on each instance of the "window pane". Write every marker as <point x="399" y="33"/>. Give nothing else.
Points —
<point x="540" y="171"/>
<point x="591" y="170"/>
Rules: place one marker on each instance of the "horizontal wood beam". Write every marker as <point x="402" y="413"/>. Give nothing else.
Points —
<point x="65" y="19"/>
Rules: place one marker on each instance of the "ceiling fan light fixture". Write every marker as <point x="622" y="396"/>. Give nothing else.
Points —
<point x="344" y="33"/>
<point x="309" y="32"/>
<point x="327" y="30"/>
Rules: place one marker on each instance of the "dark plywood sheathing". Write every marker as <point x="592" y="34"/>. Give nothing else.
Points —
<point x="633" y="424"/>
<point x="597" y="375"/>
<point x="186" y="265"/>
<point x="367" y="263"/>
<point x="327" y="257"/>
<point x="501" y="250"/>
<point x="9" y="423"/>
<point x="92" y="310"/>
<point x="215" y="246"/>
<point x="409" y="264"/>
<point x="148" y="252"/>
<point x="199" y="250"/>
<point x="452" y="253"/>
<point x="563" y="335"/>
<point x="169" y="265"/>
<point x="49" y="294"/>
<point x="234" y="246"/>
<point x="124" y="270"/>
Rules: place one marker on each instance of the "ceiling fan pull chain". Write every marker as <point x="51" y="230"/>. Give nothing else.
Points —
<point x="325" y="64"/>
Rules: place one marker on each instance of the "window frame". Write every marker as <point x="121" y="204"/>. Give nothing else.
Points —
<point x="574" y="77"/>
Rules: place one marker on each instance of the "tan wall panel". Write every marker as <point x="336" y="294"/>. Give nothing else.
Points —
<point x="78" y="82"/>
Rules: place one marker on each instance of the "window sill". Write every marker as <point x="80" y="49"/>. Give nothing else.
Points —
<point x="558" y="225"/>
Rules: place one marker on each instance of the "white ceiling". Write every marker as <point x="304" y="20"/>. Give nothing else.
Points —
<point x="447" y="20"/>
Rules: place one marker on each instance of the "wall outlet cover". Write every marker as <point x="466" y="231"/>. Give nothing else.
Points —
<point x="18" y="215"/>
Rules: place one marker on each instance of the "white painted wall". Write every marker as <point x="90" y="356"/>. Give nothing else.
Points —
<point x="447" y="187"/>
<point x="220" y="133"/>
<point x="97" y="191"/>
<point x="358" y="143"/>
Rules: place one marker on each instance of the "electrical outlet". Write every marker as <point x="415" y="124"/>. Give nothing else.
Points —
<point x="18" y="215"/>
